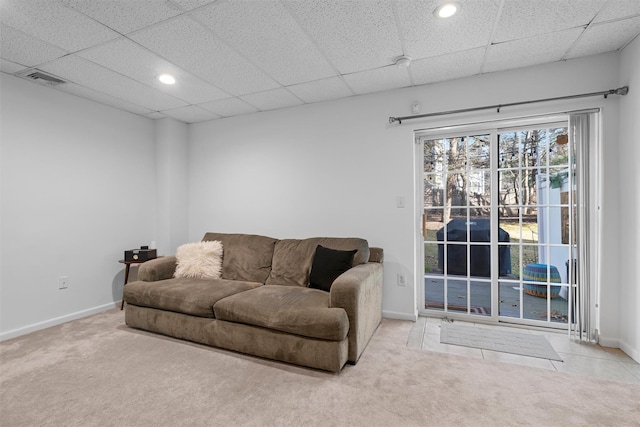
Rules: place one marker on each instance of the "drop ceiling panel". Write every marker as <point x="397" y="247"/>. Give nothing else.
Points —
<point x="125" y="16"/>
<point x="54" y="23"/>
<point x="21" y="48"/>
<point x="155" y="115"/>
<point x="132" y="60"/>
<point x="448" y="67"/>
<point x="86" y="73"/>
<point x="192" y="47"/>
<point x="229" y="107"/>
<point x="265" y="32"/>
<point x="102" y="98"/>
<point x="605" y="37"/>
<point x="10" y="67"/>
<point x="617" y="9"/>
<point x="280" y="53"/>
<point x="272" y="99"/>
<point x="380" y="79"/>
<point x="426" y="36"/>
<point x="355" y="35"/>
<point x="530" y="51"/>
<point x="191" y="4"/>
<point x="190" y="114"/>
<point x="321" y="90"/>
<point x="526" y="18"/>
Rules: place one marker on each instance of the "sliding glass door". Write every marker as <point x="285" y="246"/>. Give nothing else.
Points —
<point x="457" y="223"/>
<point x="497" y="224"/>
<point x="535" y="192"/>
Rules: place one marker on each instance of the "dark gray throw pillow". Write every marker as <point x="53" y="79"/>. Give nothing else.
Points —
<point x="327" y="265"/>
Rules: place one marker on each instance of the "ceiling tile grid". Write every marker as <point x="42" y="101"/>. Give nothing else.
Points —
<point x="272" y="99"/>
<point x="191" y="46"/>
<point x="103" y="98"/>
<point x="525" y="18"/>
<point x="265" y="32"/>
<point x="155" y="115"/>
<point x="190" y="114"/>
<point x="536" y="50"/>
<point x="132" y="60"/>
<point x="321" y="90"/>
<point x="448" y="67"/>
<point x="21" y="48"/>
<point x="54" y="23"/>
<point x="86" y="73"/>
<point x="125" y="16"/>
<point x="427" y="36"/>
<point x="229" y="107"/>
<point x="10" y="67"/>
<point x="618" y="9"/>
<point x="379" y="79"/>
<point x="355" y="35"/>
<point x="234" y="57"/>
<point x="191" y="4"/>
<point x="600" y="38"/>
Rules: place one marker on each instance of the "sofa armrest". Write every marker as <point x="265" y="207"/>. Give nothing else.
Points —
<point x="359" y="292"/>
<point x="157" y="269"/>
<point x="376" y="255"/>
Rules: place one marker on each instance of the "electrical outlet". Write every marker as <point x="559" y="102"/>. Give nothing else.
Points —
<point x="401" y="281"/>
<point x="63" y="282"/>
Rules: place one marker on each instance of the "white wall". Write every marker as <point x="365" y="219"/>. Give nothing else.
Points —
<point x="78" y="189"/>
<point x="336" y="168"/>
<point x="331" y="169"/>
<point x="69" y="193"/>
<point x="629" y="155"/>
<point x="172" y="164"/>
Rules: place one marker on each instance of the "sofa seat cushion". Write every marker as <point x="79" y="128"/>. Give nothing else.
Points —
<point x="188" y="296"/>
<point x="295" y="310"/>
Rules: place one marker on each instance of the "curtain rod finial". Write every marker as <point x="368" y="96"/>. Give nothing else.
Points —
<point x="392" y="120"/>
<point x="622" y="90"/>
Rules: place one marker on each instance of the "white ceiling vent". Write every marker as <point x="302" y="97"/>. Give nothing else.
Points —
<point x="40" y="77"/>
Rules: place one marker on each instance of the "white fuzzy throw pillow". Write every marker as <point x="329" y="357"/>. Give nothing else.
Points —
<point x="201" y="260"/>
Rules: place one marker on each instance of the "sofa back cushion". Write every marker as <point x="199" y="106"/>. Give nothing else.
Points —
<point x="245" y="257"/>
<point x="292" y="258"/>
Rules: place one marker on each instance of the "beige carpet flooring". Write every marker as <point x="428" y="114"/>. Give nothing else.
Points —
<point x="98" y="372"/>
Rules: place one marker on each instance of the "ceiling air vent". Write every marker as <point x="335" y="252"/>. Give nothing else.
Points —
<point x="40" y="77"/>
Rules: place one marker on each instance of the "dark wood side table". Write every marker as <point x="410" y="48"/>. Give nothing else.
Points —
<point x="126" y="275"/>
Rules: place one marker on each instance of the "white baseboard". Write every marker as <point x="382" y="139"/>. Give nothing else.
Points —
<point x="56" y="321"/>
<point x="608" y="342"/>
<point x="399" y="316"/>
<point x="633" y="353"/>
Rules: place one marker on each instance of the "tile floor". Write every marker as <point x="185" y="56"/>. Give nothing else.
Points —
<point x="580" y="359"/>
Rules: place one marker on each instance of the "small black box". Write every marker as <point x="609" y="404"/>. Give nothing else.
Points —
<point x="140" y="255"/>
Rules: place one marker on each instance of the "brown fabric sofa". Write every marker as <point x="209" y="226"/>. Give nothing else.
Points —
<point x="262" y="304"/>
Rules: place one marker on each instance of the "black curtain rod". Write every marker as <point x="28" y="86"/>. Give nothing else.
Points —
<point x="620" y="91"/>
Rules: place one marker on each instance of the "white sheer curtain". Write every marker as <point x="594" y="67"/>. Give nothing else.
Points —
<point x="584" y="133"/>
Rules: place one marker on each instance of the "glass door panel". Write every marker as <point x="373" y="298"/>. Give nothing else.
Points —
<point x="434" y="293"/>
<point x="480" y="294"/>
<point x="457" y="224"/>
<point x="532" y="173"/>
<point x="525" y="223"/>
<point x="457" y="295"/>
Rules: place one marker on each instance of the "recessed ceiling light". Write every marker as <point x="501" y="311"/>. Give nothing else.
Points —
<point x="167" y="79"/>
<point x="446" y="10"/>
